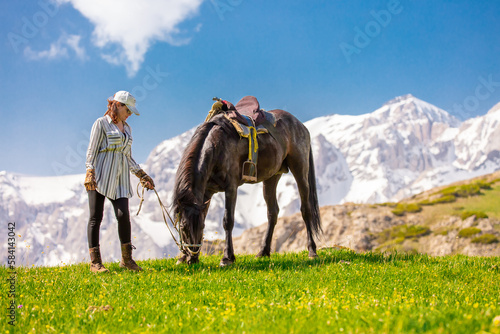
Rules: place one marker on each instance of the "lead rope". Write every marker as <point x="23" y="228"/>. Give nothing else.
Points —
<point x="183" y="247"/>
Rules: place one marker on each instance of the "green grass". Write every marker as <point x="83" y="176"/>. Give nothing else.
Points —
<point x="453" y="193"/>
<point x="390" y="245"/>
<point x="486" y="203"/>
<point x="402" y="232"/>
<point x="486" y="239"/>
<point x="447" y="195"/>
<point x="444" y="199"/>
<point x="466" y="190"/>
<point x="468" y="232"/>
<point x="341" y="291"/>
<point x="442" y="231"/>
<point x="402" y="208"/>
<point x="391" y="239"/>
<point x="389" y="204"/>
<point x="479" y="214"/>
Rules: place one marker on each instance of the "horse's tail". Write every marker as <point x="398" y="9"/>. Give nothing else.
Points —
<point x="313" y="198"/>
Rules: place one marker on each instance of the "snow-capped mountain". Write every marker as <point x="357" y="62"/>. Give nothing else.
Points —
<point x="476" y="143"/>
<point x="388" y="149"/>
<point x="404" y="147"/>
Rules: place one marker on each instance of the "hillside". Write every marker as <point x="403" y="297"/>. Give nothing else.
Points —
<point x="460" y="218"/>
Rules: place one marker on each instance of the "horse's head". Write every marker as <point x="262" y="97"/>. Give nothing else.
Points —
<point x="189" y="194"/>
<point x="191" y="219"/>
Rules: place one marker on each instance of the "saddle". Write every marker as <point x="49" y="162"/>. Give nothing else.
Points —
<point x="249" y="121"/>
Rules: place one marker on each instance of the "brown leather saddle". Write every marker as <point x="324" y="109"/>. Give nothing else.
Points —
<point x="249" y="120"/>
<point x="250" y="107"/>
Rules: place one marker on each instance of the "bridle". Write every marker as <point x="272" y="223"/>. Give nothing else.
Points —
<point x="181" y="244"/>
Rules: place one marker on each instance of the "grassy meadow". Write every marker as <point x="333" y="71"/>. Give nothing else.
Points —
<point x="340" y="292"/>
<point x="486" y="202"/>
<point x="478" y="196"/>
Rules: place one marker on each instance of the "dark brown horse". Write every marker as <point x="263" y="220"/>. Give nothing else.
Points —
<point x="212" y="162"/>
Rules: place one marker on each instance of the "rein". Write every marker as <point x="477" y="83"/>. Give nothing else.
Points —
<point x="183" y="247"/>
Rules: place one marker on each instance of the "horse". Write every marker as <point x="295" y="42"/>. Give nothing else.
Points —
<point x="212" y="162"/>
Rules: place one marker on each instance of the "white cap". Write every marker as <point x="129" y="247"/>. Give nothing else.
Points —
<point x="127" y="99"/>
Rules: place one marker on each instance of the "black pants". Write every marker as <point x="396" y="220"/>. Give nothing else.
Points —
<point x="96" y="206"/>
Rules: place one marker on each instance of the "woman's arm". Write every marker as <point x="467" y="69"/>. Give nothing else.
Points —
<point x="146" y="180"/>
<point x="96" y="137"/>
<point x="132" y="165"/>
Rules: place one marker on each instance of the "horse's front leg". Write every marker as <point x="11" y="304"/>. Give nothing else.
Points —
<point x="228" y="225"/>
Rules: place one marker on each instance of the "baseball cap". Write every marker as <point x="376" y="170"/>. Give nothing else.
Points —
<point x="127" y="99"/>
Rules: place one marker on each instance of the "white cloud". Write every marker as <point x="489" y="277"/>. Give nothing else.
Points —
<point x="58" y="49"/>
<point x="130" y="27"/>
<point x="73" y="42"/>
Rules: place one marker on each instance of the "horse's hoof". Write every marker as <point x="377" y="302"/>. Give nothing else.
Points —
<point x="263" y="254"/>
<point x="182" y="259"/>
<point x="313" y="255"/>
<point x="225" y="263"/>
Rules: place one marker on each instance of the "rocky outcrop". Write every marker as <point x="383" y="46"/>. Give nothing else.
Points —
<point x="358" y="227"/>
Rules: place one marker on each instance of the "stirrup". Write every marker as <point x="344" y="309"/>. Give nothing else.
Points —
<point x="249" y="173"/>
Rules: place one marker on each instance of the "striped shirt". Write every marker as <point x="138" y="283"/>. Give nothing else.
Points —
<point x="109" y="153"/>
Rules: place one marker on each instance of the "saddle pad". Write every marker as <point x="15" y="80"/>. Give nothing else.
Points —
<point x="233" y="115"/>
<point x="244" y="130"/>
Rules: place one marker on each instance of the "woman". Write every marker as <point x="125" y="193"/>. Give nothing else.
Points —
<point x="108" y="163"/>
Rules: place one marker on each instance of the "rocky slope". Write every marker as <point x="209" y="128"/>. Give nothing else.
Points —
<point x="364" y="227"/>
<point x="356" y="227"/>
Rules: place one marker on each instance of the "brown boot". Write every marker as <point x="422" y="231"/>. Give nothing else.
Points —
<point x="127" y="261"/>
<point x="96" y="262"/>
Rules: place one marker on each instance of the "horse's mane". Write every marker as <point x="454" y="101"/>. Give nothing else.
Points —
<point x="184" y="179"/>
<point x="183" y="195"/>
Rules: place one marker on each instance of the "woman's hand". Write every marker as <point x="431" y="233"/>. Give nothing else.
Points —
<point x="90" y="183"/>
<point x="150" y="185"/>
<point x="146" y="180"/>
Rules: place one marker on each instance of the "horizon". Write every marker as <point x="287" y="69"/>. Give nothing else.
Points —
<point x="62" y="59"/>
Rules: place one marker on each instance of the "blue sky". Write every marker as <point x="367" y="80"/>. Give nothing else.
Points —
<point x="61" y="60"/>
